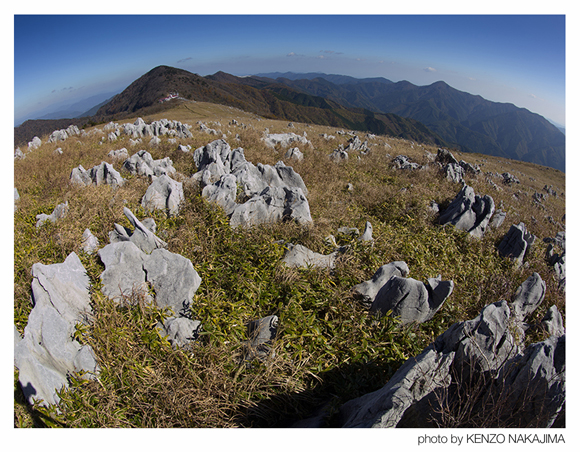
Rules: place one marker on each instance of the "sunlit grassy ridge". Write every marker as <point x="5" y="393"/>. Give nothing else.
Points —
<point x="329" y="348"/>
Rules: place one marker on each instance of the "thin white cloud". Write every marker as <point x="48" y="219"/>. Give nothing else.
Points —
<point x="430" y="69"/>
<point x="533" y="96"/>
<point x="473" y="79"/>
<point x="185" y="59"/>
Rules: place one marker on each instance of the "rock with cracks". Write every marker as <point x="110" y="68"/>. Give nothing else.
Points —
<point x="163" y="194"/>
<point x="143" y="237"/>
<point x="469" y="212"/>
<point x="516" y="243"/>
<point x="47" y="354"/>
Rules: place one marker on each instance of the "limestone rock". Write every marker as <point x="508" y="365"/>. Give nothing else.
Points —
<point x="164" y="194"/>
<point x="173" y="278"/>
<point x="47" y="353"/>
<point x="273" y="204"/>
<point x="142" y="164"/>
<point x="403" y="162"/>
<point x="469" y="212"/>
<point x="476" y="356"/>
<point x="516" y="242"/>
<point x="181" y="331"/>
<point x="90" y="242"/>
<point x="300" y="256"/>
<point x="367" y="235"/>
<point x="103" y="174"/>
<point x="294" y="153"/>
<point x="59" y="212"/>
<point x="141" y="236"/>
<point x="285" y="139"/>
<point x="368" y="290"/>
<point x="411" y="300"/>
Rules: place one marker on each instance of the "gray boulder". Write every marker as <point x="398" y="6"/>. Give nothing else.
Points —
<point x="103" y="174"/>
<point x="223" y="193"/>
<point x="454" y="173"/>
<point x="164" y="194"/>
<point x="367" y="235"/>
<point x="129" y="272"/>
<point x="516" y="243"/>
<point x="338" y="155"/>
<point x="119" y="154"/>
<point x="469" y="212"/>
<point x="48" y="354"/>
<point x="90" y="243"/>
<point x="302" y="257"/>
<point x="403" y="162"/>
<point x="411" y="300"/>
<point x="368" y="290"/>
<point x="58" y="213"/>
<point x="445" y="157"/>
<point x="16" y="198"/>
<point x="173" y="278"/>
<point x="142" y="164"/>
<point x="498" y="219"/>
<point x="553" y="323"/>
<point x="273" y="204"/>
<point x="295" y="154"/>
<point x="285" y="139"/>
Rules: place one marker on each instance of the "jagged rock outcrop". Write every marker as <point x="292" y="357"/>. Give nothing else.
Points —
<point x="273" y="204"/>
<point x="368" y="290"/>
<point x="285" y="139"/>
<point x="58" y="213"/>
<point x="162" y="127"/>
<point x="63" y="134"/>
<point x="413" y="301"/>
<point x="367" y="235"/>
<point x="516" y="243"/>
<point x="454" y="173"/>
<point x="403" y="162"/>
<point x="119" y="154"/>
<point x="295" y="154"/>
<point x="163" y="194"/>
<point x="477" y="365"/>
<point x="103" y="174"/>
<point x="273" y="193"/>
<point x="469" y="212"/>
<point x="142" y="164"/>
<point x="48" y="354"/>
<point x="498" y="218"/>
<point x="142" y="236"/>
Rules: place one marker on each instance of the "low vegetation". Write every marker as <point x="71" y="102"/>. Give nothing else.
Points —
<point x="329" y="348"/>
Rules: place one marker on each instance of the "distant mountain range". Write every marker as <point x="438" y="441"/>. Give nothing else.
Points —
<point x="436" y="114"/>
<point x="470" y="123"/>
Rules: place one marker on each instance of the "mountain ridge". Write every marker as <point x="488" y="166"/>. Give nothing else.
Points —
<point x="436" y="113"/>
<point x="468" y="121"/>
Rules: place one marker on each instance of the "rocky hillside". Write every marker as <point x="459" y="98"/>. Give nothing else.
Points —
<point x="208" y="267"/>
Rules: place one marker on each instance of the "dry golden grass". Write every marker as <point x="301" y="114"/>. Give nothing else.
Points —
<point x="329" y="348"/>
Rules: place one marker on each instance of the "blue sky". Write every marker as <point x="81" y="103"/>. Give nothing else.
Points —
<point x="519" y="59"/>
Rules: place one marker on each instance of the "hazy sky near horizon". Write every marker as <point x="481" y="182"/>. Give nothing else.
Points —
<point x="520" y="59"/>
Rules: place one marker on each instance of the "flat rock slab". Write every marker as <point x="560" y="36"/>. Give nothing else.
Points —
<point x="47" y="353"/>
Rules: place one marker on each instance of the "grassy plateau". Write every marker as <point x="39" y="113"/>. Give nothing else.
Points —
<point x="329" y="348"/>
